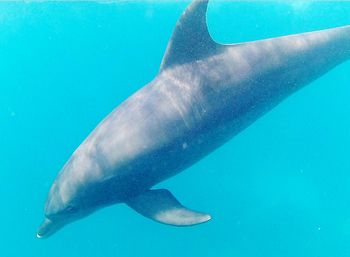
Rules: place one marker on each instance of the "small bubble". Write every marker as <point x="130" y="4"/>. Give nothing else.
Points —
<point x="13" y="114"/>
<point x="184" y="145"/>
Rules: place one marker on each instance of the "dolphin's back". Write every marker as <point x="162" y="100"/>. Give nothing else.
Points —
<point x="204" y="94"/>
<point x="296" y="59"/>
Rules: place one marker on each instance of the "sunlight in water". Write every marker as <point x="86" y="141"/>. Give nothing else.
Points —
<point x="300" y="5"/>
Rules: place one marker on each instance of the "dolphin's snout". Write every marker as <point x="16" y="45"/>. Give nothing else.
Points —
<point x="48" y="228"/>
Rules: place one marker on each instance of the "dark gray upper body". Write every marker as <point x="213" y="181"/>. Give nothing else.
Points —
<point x="204" y="94"/>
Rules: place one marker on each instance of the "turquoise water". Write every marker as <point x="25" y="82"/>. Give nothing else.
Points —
<point x="280" y="188"/>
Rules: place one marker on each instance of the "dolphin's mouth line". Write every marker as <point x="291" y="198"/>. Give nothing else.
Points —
<point x="48" y="228"/>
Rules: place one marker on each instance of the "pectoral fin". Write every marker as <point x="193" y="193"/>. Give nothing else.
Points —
<point x="160" y="205"/>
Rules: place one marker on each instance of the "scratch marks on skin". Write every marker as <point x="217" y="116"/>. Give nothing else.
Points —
<point x="183" y="94"/>
<point x="170" y="94"/>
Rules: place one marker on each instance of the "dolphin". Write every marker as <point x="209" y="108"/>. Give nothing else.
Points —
<point x="204" y="94"/>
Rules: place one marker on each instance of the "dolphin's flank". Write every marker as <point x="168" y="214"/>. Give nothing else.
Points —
<point x="204" y="94"/>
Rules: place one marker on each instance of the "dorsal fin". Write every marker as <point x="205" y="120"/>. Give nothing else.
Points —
<point x="191" y="39"/>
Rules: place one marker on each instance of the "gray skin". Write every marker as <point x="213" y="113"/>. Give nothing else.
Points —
<point x="204" y="94"/>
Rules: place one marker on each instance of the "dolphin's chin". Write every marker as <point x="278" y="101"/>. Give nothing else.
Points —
<point x="48" y="228"/>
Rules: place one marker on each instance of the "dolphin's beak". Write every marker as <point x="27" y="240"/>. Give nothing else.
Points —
<point x="48" y="228"/>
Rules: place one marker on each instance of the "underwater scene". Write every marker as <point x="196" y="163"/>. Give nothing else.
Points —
<point x="219" y="155"/>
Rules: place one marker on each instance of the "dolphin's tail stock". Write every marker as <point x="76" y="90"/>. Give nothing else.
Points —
<point x="342" y="37"/>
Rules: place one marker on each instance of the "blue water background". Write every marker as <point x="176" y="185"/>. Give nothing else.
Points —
<point x="281" y="188"/>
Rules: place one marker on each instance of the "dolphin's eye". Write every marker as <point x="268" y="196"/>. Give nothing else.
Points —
<point x="70" y="209"/>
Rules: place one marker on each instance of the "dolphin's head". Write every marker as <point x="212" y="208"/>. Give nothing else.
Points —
<point x="67" y="201"/>
<point x="53" y="223"/>
<point x="57" y="215"/>
<point x="60" y="210"/>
